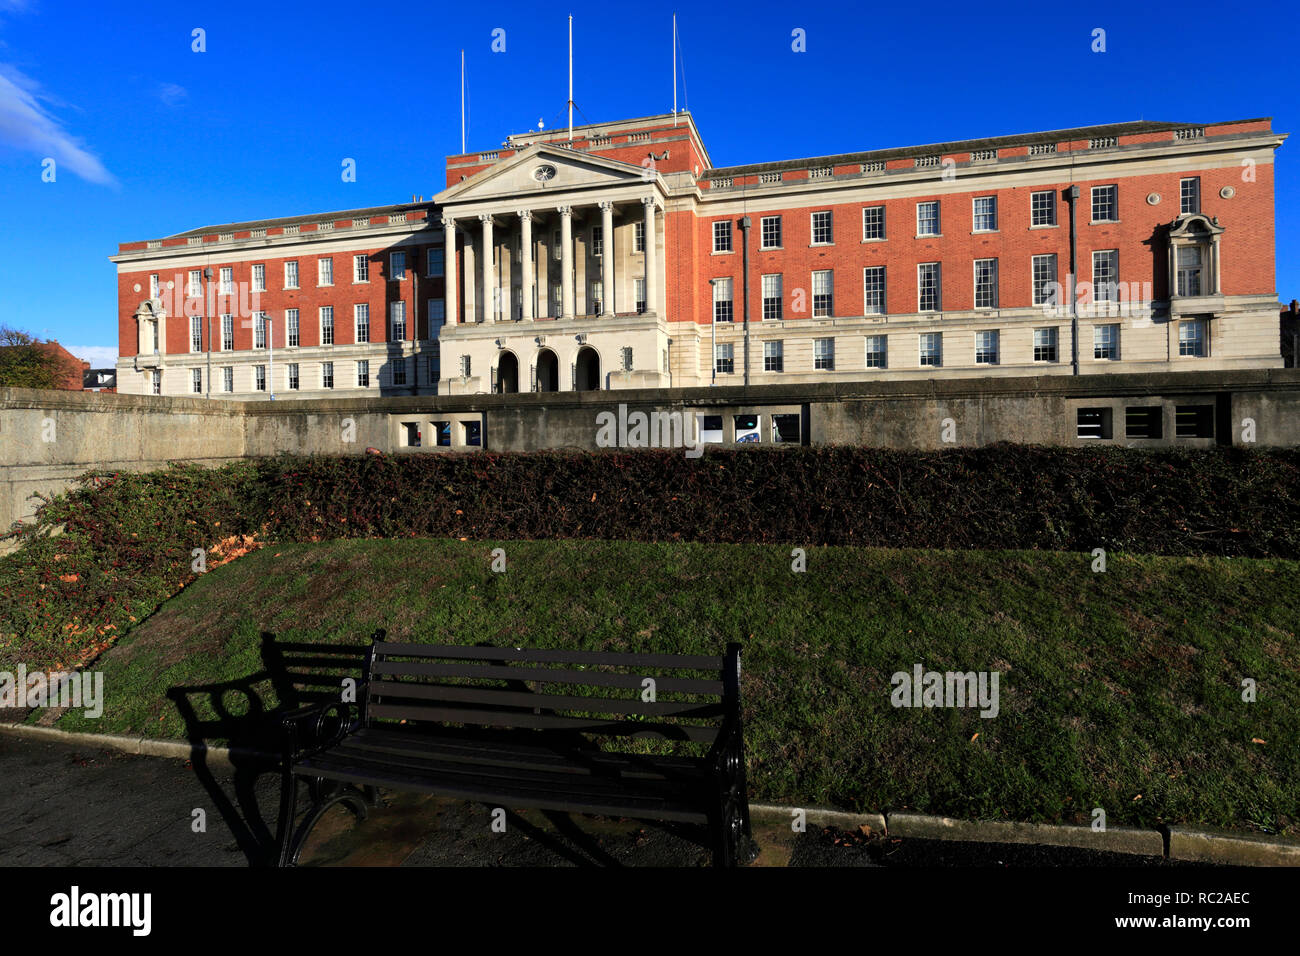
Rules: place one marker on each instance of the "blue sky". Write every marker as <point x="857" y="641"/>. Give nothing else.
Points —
<point x="152" y="138"/>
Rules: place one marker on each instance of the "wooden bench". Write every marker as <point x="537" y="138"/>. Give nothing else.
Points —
<point x="523" y="728"/>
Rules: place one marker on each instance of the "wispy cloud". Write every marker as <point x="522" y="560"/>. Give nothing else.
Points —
<point x="26" y="124"/>
<point x="173" y="94"/>
<point x="99" y="356"/>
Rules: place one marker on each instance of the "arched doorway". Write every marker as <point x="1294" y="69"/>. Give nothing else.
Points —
<point x="507" y="373"/>
<point x="588" y="370"/>
<point x="548" y="371"/>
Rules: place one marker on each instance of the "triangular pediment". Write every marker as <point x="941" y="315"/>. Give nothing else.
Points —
<point x="562" y="171"/>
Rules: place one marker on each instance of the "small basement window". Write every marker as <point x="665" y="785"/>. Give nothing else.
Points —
<point x="1143" y="421"/>
<point x="785" y="429"/>
<point x="473" y="433"/>
<point x="441" y="434"/>
<point x="712" y="428"/>
<point x="746" y="428"/>
<point x="411" y="434"/>
<point x="1093" y="423"/>
<point x="1194" y="421"/>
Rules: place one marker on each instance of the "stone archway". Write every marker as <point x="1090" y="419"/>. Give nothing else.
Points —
<point x="588" y="370"/>
<point x="548" y="371"/>
<point x="507" y="373"/>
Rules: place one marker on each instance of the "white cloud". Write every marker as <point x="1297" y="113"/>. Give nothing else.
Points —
<point x="99" y="356"/>
<point x="173" y="94"/>
<point x="26" y="124"/>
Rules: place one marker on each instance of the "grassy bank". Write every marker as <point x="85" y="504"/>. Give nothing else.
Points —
<point x="1119" y="690"/>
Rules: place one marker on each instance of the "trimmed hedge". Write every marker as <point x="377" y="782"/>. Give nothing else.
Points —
<point x="128" y="538"/>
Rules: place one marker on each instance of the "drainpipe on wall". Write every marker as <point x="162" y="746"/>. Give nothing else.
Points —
<point x="744" y="228"/>
<point x="207" y="381"/>
<point x="1072" y="196"/>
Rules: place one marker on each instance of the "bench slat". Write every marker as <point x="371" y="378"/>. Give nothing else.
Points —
<point x="684" y="685"/>
<point x="489" y="718"/>
<point x="456" y="652"/>
<point x="500" y="697"/>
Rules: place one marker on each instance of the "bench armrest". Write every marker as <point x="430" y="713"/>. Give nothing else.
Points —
<point x="726" y="757"/>
<point x="308" y="729"/>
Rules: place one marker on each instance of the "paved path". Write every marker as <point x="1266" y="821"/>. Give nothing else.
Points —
<point x="65" y="804"/>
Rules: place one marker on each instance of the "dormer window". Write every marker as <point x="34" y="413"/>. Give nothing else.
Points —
<point x="1194" y="255"/>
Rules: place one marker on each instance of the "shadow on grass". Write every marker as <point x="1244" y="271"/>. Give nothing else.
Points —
<point x="299" y="675"/>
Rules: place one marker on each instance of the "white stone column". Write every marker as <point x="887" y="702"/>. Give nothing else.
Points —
<point x="651" y="290"/>
<point x="566" y="259"/>
<point x="526" y="265"/>
<point x="470" y="271"/>
<point x="607" y="258"/>
<point x="490" y="293"/>
<point x="451" y="278"/>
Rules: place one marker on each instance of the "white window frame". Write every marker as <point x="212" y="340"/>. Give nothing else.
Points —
<point x="326" y="328"/>
<point x="774" y="304"/>
<point x="770" y="226"/>
<point x="292" y="329"/>
<point x="325" y="271"/>
<point x="923" y="269"/>
<point x="291" y="274"/>
<point x="722" y="236"/>
<point x="257" y="277"/>
<point x="827" y="228"/>
<point x="872" y="296"/>
<point x="360" y="269"/>
<point x="1110" y="190"/>
<point x="360" y="322"/>
<point x="870" y="223"/>
<point x="938" y="224"/>
<point x="1049" y="209"/>
<point x="935" y="341"/>
<point x="992" y="215"/>
<point x="987" y="346"/>
<point x="990" y="287"/>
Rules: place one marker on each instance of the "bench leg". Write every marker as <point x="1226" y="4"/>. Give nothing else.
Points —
<point x="291" y="839"/>
<point x="288" y="811"/>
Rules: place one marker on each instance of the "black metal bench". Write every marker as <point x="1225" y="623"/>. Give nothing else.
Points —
<point x="523" y="728"/>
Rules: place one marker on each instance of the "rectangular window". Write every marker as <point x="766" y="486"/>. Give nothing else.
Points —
<point x="291" y="327"/>
<point x="259" y="278"/>
<point x="442" y="434"/>
<point x="1189" y="194"/>
<point x="1092" y="423"/>
<point x="1042" y="208"/>
<point x="259" y="378"/>
<point x="873" y="222"/>
<point x="785" y="429"/>
<point x="259" y="330"/>
<point x="596" y="297"/>
<point x="877" y="351"/>
<point x="1045" y="345"/>
<point x="597" y="241"/>
<point x="1044" y="279"/>
<point x="397" y="265"/>
<point x="931" y="346"/>
<point x="327" y="375"/>
<point x="227" y="280"/>
<point x="1105" y="204"/>
<point x="293" y="376"/>
<point x="986" y="283"/>
<point x="196" y="333"/>
<point x="626" y="355"/>
<point x="985" y="213"/>
<point x="723" y="306"/>
<point x="774" y="356"/>
<point x="1105" y="275"/>
<point x="824" y="354"/>
<point x="873" y="290"/>
<point x="363" y="373"/>
<point x="638" y="294"/>
<point x="986" y="347"/>
<point x="1191" y="338"/>
<point x="291" y="275"/>
<point x="435" y="264"/>
<point x="638" y="239"/>
<point x="1189" y="270"/>
<point x="361" y="268"/>
<point x="722" y="235"/>
<point x="724" y="358"/>
<point x="1143" y="421"/>
<point x="822" y="231"/>
<point x="1193" y="421"/>
<point x="823" y="293"/>
<point x="927" y="287"/>
<point x="327" y="325"/>
<point x="227" y="332"/>
<point x="772" y="302"/>
<point x="361" y="317"/>
<point x="397" y="321"/>
<point x="196" y="381"/>
<point x="154" y="290"/>
<point x="927" y="218"/>
<point x="770" y="232"/>
<point x="325" y="271"/>
<point x="472" y="432"/>
<point x="228" y="378"/>
<point x="194" y="285"/>
<point x="1105" y="341"/>
<point x="156" y="382"/>
<point x="399" y="371"/>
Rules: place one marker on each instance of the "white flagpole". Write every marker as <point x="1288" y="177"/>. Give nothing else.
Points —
<point x="462" y="102"/>
<point x="570" y="79"/>
<point x="674" y="69"/>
